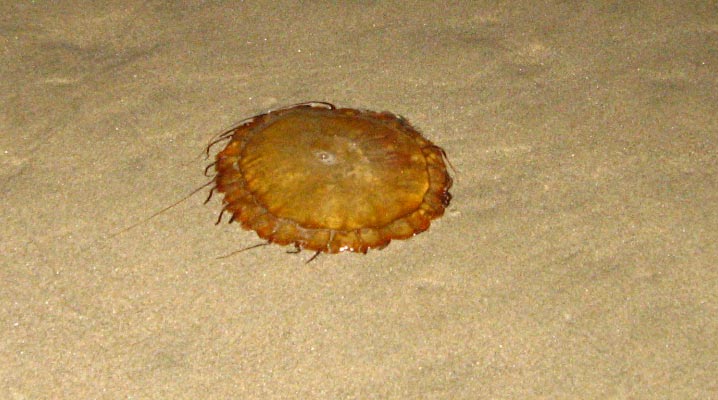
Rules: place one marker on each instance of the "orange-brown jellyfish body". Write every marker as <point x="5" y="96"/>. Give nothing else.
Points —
<point x="331" y="179"/>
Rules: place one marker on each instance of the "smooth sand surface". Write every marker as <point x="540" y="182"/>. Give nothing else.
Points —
<point x="578" y="258"/>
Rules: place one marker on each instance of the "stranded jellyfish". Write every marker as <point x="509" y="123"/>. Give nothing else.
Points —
<point x="331" y="179"/>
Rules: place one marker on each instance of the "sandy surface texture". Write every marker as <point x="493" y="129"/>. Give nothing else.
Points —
<point x="578" y="258"/>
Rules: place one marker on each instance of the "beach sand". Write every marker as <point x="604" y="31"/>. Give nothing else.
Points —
<point x="578" y="258"/>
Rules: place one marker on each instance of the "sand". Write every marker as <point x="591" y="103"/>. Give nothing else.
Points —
<point x="578" y="258"/>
